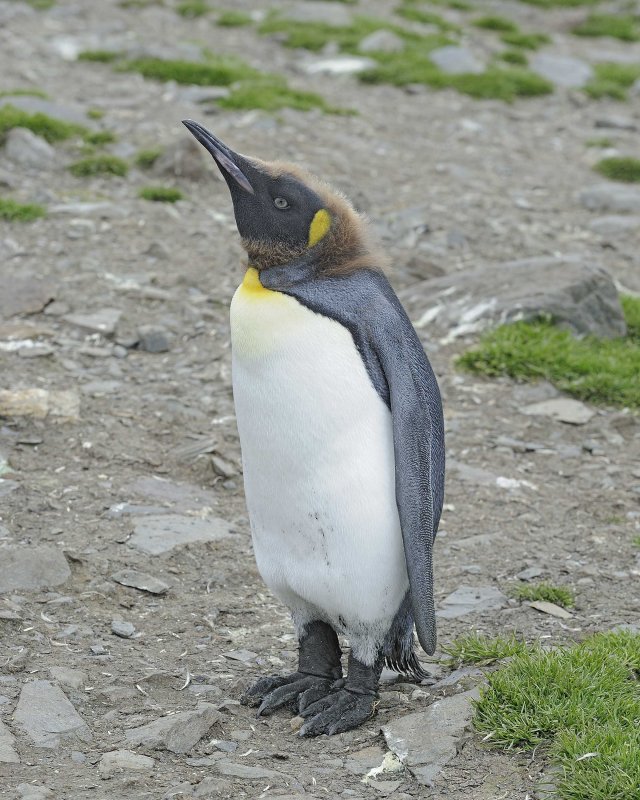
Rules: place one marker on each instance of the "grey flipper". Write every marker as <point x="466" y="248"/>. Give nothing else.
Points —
<point x="367" y="306"/>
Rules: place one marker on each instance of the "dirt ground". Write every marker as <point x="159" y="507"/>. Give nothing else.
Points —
<point x="493" y="182"/>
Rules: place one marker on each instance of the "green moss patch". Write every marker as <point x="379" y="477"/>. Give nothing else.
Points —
<point x="99" y="165"/>
<point x="145" y="159"/>
<point x="620" y="168"/>
<point x="410" y="12"/>
<point x="475" y="648"/>
<point x="514" y="57"/>
<point x="528" y="41"/>
<point x="561" y="3"/>
<point x="495" y="23"/>
<point x="193" y="8"/>
<point x="216" y="71"/>
<point x="546" y="592"/>
<point x="100" y="138"/>
<point x="618" y="26"/>
<point x="272" y="94"/>
<point x="24" y="93"/>
<point x="582" y="702"/>
<point x="612" y="80"/>
<point x="601" y="371"/>
<point x="53" y="130"/>
<point x="233" y="19"/>
<point x="161" y="194"/>
<point x="600" y="141"/>
<point x="19" y="212"/>
<point x="100" y="56"/>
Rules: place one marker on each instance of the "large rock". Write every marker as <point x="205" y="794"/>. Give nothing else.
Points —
<point x="455" y="60"/>
<point x="426" y="741"/>
<point x="25" y="294"/>
<point x="8" y="754"/>
<point x="470" y="599"/>
<point x="326" y="13"/>
<point x="611" y="197"/>
<point x="38" y="105"/>
<point x="47" y="716"/>
<point x="565" y="71"/>
<point x="177" y="733"/>
<point x="160" y="533"/>
<point x="124" y="761"/>
<point x="24" y="147"/>
<point x="577" y="295"/>
<point x="339" y="65"/>
<point x="28" y="568"/>
<point x="382" y="41"/>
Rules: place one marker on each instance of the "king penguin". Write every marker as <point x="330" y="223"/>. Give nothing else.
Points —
<point x="342" y="438"/>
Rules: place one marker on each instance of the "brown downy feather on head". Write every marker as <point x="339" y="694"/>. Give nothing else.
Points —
<point x="346" y="247"/>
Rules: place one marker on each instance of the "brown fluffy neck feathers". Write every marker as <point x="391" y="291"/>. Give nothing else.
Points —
<point x="345" y="248"/>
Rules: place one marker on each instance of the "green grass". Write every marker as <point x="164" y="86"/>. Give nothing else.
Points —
<point x="95" y="113"/>
<point x="193" y="8"/>
<point x="145" y="159"/>
<point x="475" y="648"/>
<point x="53" y="130"/>
<point x="601" y="141"/>
<point x="99" y="165"/>
<point x="612" y="80"/>
<point x="216" y="71"/>
<point x="19" y="212"/>
<point x="24" y="93"/>
<point x="161" y="194"/>
<point x="528" y="41"/>
<point x="495" y="23"/>
<point x="99" y="138"/>
<point x="545" y="591"/>
<point x="271" y="94"/>
<point x="40" y="5"/>
<point x="620" y="168"/>
<point x="561" y="3"/>
<point x="514" y="57"/>
<point x="603" y="371"/>
<point x="100" y="56"/>
<point x="575" y="700"/>
<point x="233" y="19"/>
<point x="619" y="26"/>
<point x="414" y="14"/>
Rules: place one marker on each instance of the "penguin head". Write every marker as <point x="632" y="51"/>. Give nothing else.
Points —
<point x="282" y="213"/>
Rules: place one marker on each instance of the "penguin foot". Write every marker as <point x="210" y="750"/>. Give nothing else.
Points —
<point x="337" y="712"/>
<point x="272" y="693"/>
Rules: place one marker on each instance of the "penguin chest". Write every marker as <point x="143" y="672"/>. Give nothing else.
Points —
<point x="319" y="470"/>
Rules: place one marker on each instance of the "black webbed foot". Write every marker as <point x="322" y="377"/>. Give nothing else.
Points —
<point x="337" y="713"/>
<point x="318" y="668"/>
<point x="351" y="702"/>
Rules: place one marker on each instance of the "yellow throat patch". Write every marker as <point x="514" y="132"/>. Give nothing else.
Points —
<point x="319" y="227"/>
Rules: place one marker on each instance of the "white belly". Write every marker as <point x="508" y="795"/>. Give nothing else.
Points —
<point x="317" y="451"/>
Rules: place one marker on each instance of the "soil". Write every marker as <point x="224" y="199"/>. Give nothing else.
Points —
<point x="495" y="182"/>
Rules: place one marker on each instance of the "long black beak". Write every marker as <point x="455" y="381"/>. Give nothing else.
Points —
<point x="223" y="156"/>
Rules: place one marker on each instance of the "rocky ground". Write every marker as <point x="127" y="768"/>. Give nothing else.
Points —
<point x="131" y="611"/>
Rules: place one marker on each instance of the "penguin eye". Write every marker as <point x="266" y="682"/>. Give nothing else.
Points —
<point x="281" y="203"/>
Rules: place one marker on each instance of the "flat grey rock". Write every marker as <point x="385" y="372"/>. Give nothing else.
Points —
<point x="177" y="733"/>
<point x="8" y="754"/>
<point x="103" y="320"/>
<point x="25" y="294"/>
<point x="100" y="210"/>
<point x="339" y="65"/>
<point x="426" y="741"/>
<point x="236" y="770"/>
<point x="455" y="60"/>
<point x="124" y="630"/>
<point x="28" y="568"/>
<point x="611" y="197"/>
<point x="24" y="147"/>
<point x="38" y="105"/>
<point x="565" y="71"/>
<point x="470" y="599"/>
<point x="140" y="580"/>
<point x="161" y="533"/>
<point x="245" y="656"/>
<point x="154" y="339"/>
<point x="182" y="496"/>
<point x="615" y="224"/>
<point x="382" y="41"/>
<point x="579" y="295"/>
<point x="315" y="11"/>
<point x="563" y="409"/>
<point x="28" y="791"/>
<point x="529" y="573"/>
<point x="47" y="716"/>
<point x="67" y="676"/>
<point x="123" y="761"/>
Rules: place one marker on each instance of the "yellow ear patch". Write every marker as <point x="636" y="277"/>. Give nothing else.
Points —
<point x="251" y="281"/>
<point x="319" y="227"/>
